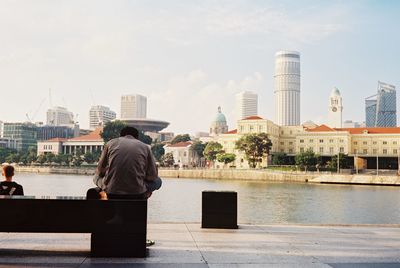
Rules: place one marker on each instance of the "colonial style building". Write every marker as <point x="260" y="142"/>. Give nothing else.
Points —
<point x="91" y="142"/>
<point x="366" y="145"/>
<point x="183" y="153"/>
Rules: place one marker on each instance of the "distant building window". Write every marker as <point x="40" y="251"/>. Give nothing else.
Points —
<point x="301" y="141"/>
<point x="311" y="140"/>
<point x="291" y="132"/>
<point x="311" y="149"/>
<point x="384" y="142"/>
<point x="301" y="150"/>
<point x="374" y="142"/>
<point x="365" y="143"/>
<point x="365" y="151"/>
<point x="341" y="149"/>
<point x="290" y="142"/>
<point x="321" y="141"/>
<point x="341" y="140"/>
<point x="355" y="143"/>
<point x="331" y="150"/>
<point x="290" y="151"/>
<point x="374" y="151"/>
<point x="355" y="151"/>
<point x="331" y="140"/>
<point x="384" y="151"/>
<point x="395" y="142"/>
<point x="394" y="151"/>
<point x="282" y="143"/>
<point x="321" y="149"/>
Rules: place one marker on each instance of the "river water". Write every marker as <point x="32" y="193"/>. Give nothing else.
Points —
<point x="179" y="200"/>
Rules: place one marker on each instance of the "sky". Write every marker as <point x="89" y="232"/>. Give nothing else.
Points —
<point x="189" y="57"/>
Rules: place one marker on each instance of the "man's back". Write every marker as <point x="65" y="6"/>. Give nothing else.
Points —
<point x="128" y="163"/>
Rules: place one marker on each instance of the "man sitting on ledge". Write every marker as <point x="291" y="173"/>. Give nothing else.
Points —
<point x="127" y="169"/>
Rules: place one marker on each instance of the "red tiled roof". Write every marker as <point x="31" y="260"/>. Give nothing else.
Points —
<point x="372" y="130"/>
<point x="234" y="131"/>
<point x="360" y="130"/>
<point x="180" y="144"/>
<point x="92" y="136"/>
<point x="253" y="117"/>
<point x="321" y="128"/>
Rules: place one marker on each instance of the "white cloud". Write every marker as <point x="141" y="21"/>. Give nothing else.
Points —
<point x="190" y="101"/>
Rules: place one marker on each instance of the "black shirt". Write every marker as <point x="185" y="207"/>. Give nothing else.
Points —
<point x="11" y="188"/>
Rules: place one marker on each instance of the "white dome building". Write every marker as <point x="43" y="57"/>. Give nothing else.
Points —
<point x="219" y="124"/>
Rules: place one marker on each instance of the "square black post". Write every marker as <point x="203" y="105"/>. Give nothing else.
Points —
<point x="219" y="209"/>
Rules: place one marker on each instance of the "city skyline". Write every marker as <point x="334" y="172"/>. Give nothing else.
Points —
<point x="184" y="55"/>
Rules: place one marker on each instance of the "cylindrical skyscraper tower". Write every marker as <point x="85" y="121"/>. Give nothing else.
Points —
<point x="287" y="88"/>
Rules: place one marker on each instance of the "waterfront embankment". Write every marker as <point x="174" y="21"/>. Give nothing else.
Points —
<point x="240" y="174"/>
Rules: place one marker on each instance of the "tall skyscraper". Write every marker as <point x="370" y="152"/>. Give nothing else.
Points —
<point x="380" y="109"/>
<point x="287" y="88"/>
<point x="59" y="116"/>
<point x="99" y="115"/>
<point x="246" y="104"/>
<point x="133" y="106"/>
<point x="335" y="109"/>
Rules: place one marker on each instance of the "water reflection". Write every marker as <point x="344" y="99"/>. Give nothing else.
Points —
<point x="259" y="202"/>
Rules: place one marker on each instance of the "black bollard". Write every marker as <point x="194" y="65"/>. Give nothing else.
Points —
<point x="219" y="209"/>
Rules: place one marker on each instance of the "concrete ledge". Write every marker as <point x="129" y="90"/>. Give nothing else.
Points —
<point x="357" y="180"/>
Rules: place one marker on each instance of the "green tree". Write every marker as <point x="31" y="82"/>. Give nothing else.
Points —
<point x="112" y="130"/>
<point x="307" y="159"/>
<point x="145" y="138"/>
<point x="343" y="161"/>
<point x="211" y="150"/>
<point x="4" y="152"/>
<point x="158" y="150"/>
<point x="180" y="138"/>
<point x="13" y="158"/>
<point x="279" y="159"/>
<point x="255" y="147"/>
<point x="41" y="159"/>
<point x="199" y="147"/>
<point x="167" y="160"/>
<point x="89" y="157"/>
<point x="31" y="155"/>
<point x="50" y="158"/>
<point x="226" y="158"/>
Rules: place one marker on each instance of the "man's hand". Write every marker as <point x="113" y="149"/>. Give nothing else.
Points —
<point x="103" y="195"/>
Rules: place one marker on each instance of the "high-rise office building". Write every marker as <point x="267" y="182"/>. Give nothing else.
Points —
<point x="24" y="134"/>
<point x="335" y="109"/>
<point x="133" y="106"/>
<point x="59" y="116"/>
<point x="380" y="109"/>
<point x="51" y="132"/>
<point x="99" y="115"/>
<point x="246" y="104"/>
<point x="287" y="88"/>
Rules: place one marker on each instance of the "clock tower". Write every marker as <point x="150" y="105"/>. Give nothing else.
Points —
<point x="335" y="109"/>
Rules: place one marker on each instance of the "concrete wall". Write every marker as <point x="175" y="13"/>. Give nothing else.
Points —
<point x="236" y="174"/>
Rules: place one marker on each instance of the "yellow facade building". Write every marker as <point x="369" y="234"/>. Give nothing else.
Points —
<point x="367" y="145"/>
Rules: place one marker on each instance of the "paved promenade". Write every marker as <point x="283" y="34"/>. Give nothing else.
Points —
<point x="187" y="245"/>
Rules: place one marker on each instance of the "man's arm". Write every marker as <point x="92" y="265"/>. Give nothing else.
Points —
<point x="101" y="168"/>
<point x="151" y="168"/>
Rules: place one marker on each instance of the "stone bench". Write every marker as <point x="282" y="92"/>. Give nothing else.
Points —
<point x="118" y="227"/>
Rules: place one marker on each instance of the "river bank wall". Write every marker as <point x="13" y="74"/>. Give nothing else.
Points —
<point x="239" y="174"/>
